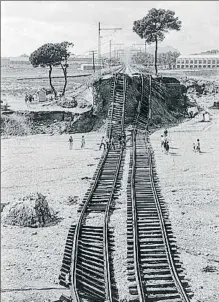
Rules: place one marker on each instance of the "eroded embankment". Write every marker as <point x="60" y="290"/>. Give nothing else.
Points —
<point x="168" y="104"/>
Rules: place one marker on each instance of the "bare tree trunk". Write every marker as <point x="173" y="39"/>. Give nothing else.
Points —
<point x="65" y="76"/>
<point x="155" y="62"/>
<point x="50" y="80"/>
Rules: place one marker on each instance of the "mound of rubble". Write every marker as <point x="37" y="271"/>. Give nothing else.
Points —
<point x="30" y="211"/>
<point x="14" y="125"/>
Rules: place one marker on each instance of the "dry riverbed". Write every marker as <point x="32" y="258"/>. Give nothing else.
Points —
<point x="31" y="258"/>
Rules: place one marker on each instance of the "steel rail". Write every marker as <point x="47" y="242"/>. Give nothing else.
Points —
<point x="138" y="277"/>
<point x="164" y="234"/>
<point x="106" y="218"/>
<point x="73" y="289"/>
<point x="74" y="292"/>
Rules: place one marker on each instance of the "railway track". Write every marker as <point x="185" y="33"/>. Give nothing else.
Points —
<point x="86" y="262"/>
<point x="154" y="268"/>
<point x="155" y="272"/>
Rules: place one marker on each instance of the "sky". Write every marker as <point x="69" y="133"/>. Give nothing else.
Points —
<point x="26" y="25"/>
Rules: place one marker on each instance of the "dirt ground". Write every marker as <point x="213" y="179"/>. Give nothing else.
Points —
<point x="31" y="258"/>
<point x="189" y="183"/>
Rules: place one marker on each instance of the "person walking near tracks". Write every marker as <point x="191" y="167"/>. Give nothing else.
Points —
<point x="166" y="146"/>
<point x="102" y="143"/>
<point x="198" y="146"/>
<point x="82" y="142"/>
<point x="70" y="142"/>
<point x="165" y="132"/>
<point x="162" y="141"/>
<point x="120" y="141"/>
<point x="107" y="142"/>
<point x="123" y="140"/>
<point x="112" y="143"/>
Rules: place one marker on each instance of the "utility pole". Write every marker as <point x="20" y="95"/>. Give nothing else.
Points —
<point x="110" y="46"/>
<point x="99" y="45"/>
<point x="99" y="39"/>
<point x="93" y="52"/>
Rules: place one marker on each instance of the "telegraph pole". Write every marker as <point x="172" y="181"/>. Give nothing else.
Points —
<point x="110" y="45"/>
<point x="99" y="41"/>
<point x="99" y="44"/>
<point x="93" y="52"/>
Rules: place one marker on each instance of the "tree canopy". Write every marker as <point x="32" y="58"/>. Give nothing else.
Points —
<point x="154" y="25"/>
<point x="143" y="58"/>
<point x="163" y="58"/>
<point x="52" y="54"/>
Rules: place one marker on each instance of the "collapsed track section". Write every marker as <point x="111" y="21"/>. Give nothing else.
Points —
<point x="154" y="268"/>
<point x="86" y="262"/>
<point x="154" y="265"/>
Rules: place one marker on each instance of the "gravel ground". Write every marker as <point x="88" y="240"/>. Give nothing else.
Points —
<point x="189" y="183"/>
<point x="31" y="258"/>
<point x="118" y="221"/>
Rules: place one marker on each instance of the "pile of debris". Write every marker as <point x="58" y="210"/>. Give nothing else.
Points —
<point x="30" y="211"/>
<point x="14" y="125"/>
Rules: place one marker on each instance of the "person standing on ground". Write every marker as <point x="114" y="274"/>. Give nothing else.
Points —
<point x="112" y="143"/>
<point x="82" y="142"/>
<point x="166" y="146"/>
<point x="162" y="141"/>
<point x="102" y="143"/>
<point x="107" y="142"/>
<point x="198" y="146"/>
<point x="123" y="139"/>
<point x="70" y="142"/>
<point x="120" y="141"/>
<point x="165" y="132"/>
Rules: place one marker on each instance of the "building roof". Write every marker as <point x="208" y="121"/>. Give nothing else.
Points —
<point x="214" y="56"/>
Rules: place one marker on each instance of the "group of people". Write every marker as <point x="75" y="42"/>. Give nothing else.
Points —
<point x="166" y="146"/>
<point x="29" y="98"/>
<point x="165" y="142"/>
<point x="71" y="142"/>
<point x="105" y="142"/>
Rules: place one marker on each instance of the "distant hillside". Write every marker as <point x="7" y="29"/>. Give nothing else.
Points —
<point x="208" y="52"/>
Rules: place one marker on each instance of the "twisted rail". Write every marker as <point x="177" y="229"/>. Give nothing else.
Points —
<point x="108" y="287"/>
<point x="141" y="290"/>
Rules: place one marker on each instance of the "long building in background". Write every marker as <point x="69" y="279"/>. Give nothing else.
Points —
<point x="197" y="61"/>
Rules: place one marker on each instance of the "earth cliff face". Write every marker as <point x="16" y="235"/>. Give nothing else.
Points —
<point x="167" y="99"/>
